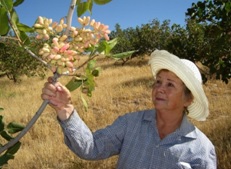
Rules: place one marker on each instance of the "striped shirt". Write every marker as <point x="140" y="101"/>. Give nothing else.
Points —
<point x="134" y="137"/>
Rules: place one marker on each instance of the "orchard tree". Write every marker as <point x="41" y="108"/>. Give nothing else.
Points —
<point x="215" y="52"/>
<point x="144" y="38"/>
<point x="124" y="39"/>
<point x="15" y="61"/>
<point x="178" y="41"/>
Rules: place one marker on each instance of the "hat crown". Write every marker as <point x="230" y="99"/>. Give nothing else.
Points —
<point x="193" y="68"/>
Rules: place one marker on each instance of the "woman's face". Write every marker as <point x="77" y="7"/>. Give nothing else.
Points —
<point x="168" y="93"/>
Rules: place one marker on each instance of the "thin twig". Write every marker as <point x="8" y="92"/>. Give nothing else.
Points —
<point x="13" y="27"/>
<point x="87" y="61"/>
<point x="36" y="57"/>
<point x="9" y="37"/>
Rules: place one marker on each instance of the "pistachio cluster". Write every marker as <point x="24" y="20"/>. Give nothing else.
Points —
<point x="62" y="50"/>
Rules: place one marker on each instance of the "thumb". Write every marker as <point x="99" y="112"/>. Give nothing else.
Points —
<point x="59" y="88"/>
<point x="62" y="89"/>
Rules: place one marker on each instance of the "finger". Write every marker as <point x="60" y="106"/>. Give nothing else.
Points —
<point x="52" y="105"/>
<point x="50" y="79"/>
<point x="49" y="92"/>
<point x="45" y="96"/>
<point x="50" y="86"/>
<point x="61" y="88"/>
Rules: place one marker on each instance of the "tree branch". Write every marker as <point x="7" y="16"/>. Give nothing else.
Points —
<point x="36" y="57"/>
<point x="31" y="122"/>
<point x="69" y="16"/>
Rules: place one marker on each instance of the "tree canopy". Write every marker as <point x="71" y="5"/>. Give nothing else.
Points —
<point x="205" y="38"/>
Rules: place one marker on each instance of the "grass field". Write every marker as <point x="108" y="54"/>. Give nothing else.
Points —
<point x="120" y="89"/>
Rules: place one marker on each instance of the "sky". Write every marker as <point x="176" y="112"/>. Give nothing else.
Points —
<point x="127" y="13"/>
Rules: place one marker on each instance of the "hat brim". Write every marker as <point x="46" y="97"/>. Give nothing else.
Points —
<point x="161" y="59"/>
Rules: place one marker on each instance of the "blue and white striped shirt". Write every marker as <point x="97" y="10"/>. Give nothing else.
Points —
<point x="134" y="137"/>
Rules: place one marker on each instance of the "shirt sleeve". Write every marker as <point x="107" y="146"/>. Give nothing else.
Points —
<point x="205" y="154"/>
<point x="93" y="146"/>
<point x="209" y="160"/>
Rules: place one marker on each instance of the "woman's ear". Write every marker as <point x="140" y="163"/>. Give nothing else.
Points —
<point x="188" y="100"/>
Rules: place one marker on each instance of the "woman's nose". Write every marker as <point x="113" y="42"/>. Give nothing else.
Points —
<point x="160" y="88"/>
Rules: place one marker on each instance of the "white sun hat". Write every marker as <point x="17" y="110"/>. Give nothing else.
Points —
<point x="188" y="72"/>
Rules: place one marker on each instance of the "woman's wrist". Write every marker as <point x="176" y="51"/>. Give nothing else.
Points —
<point x="65" y="112"/>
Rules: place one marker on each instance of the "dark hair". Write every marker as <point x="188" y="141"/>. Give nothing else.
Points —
<point x="187" y="92"/>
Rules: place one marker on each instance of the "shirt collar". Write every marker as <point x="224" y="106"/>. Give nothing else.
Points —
<point x="186" y="129"/>
<point x="149" y="115"/>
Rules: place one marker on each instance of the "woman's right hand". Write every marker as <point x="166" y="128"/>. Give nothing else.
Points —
<point x="59" y="98"/>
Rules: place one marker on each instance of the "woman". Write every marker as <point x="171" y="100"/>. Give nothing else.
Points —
<point x="161" y="138"/>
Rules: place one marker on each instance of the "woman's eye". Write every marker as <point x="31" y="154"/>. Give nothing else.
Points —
<point x="170" y="85"/>
<point x="158" y="82"/>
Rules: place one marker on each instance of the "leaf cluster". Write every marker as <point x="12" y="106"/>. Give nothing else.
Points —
<point x="7" y="8"/>
<point x="6" y="132"/>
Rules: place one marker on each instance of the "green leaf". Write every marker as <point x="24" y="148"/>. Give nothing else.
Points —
<point x="12" y="150"/>
<point x="24" y="28"/>
<point x="101" y="47"/>
<point x="102" y="2"/>
<point x="9" y="154"/>
<point x="91" y="64"/>
<point x="75" y="83"/>
<point x="123" y="54"/>
<point x="84" y="103"/>
<point x="6" y="136"/>
<point x="14" y="17"/>
<point x="110" y="45"/>
<point x="90" y="5"/>
<point x="4" y="159"/>
<point x="90" y="83"/>
<point x="4" y="26"/>
<point x="24" y="38"/>
<point x="83" y="7"/>
<point x="18" y="2"/>
<point x="14" y="22"/>
<point x="14" y="127"/>
<point x="1" y="123"/>
<point x="105" y="47"/>
<point x="7" y="4"/>
<point x="1" y="109"/>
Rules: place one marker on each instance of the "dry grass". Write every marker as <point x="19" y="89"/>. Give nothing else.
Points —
<point x="120" y="89"/>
